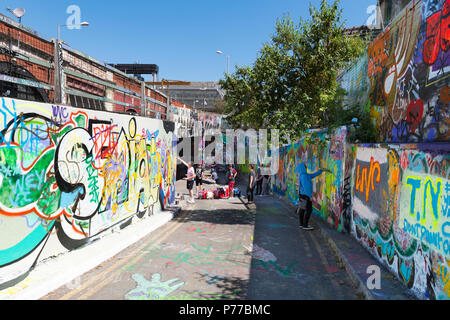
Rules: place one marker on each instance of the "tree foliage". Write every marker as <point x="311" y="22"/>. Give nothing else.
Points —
<point x="292" y="86"/>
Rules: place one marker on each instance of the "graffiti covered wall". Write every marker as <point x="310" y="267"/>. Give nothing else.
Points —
<point x="394" y="199"/>
<point x="407" y="68"/>
<point x="328" y="189"/>
<point x="400" y="213"/>
<point x="68" y="174"/>
<point x="399" y="193"/>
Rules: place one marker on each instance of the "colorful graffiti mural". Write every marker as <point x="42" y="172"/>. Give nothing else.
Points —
<point x="328" y="192"/>
<point x="404" y="221"/>
<point x="68" y="174"/>
<point x="393" y="198"/>
<point x="408" y="68"/>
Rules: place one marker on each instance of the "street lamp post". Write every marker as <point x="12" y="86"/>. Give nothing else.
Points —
<point x="60" y="95"/>
<point x="228" y="60"/>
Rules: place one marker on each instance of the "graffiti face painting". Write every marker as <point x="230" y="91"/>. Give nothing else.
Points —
<point x="68" y="174"/>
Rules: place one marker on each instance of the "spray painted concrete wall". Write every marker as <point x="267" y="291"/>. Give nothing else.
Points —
<point x="68" y="174"/>
<point x="404" y="77"/>
<point x="400" y="193"/>
<point x="401" y="198"/>
<point x="394" y="199"/>
<point x="329" y="196"/>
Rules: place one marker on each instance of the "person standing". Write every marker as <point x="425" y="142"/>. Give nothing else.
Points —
<point x="215" y="176"/>
<point x="268" y="179"/>
<point x="213" y="167"/>
<point x="231" y="175"/>
<point x="198" y="177"/>
<point x="259" y="182"/>
<point x="251" y="184"/>
<point x="190" y="178"/>
<point x="305" y="195"/>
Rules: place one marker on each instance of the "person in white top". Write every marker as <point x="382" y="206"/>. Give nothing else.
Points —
<point x="190" y="177"/>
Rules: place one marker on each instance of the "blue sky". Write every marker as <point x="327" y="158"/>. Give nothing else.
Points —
<point x="181" y="37"/>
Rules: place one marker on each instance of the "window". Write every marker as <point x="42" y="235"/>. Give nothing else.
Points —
<point x="20" y="91"/>
<point x="86" y="103"/>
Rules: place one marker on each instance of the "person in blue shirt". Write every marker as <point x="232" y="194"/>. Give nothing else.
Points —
<point x="305" y="194"/>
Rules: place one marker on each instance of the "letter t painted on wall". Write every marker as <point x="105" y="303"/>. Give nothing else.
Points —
<point x="415" y="185"/>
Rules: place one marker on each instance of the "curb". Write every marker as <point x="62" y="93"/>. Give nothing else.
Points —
<point x="176" y="209"/>
<point x="356" y="280"/>
<point x="41" y="271"/>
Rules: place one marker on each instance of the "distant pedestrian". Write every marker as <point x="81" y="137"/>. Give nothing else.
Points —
<point x="198" y="177"/>
<point x="251" y="184"/>
<point x="268" y="179"/>
<point x="215" y="176"/>
<point x="213" y="167"/>
<point x="190" y="178"/>
<point x="259" y="182"/>
<point x="231" y="176"/>
<point x="305" y="195"/>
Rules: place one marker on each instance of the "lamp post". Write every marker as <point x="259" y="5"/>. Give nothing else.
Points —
<point x="60" y="95"/>
<point x="18" y="13"/>
<point x="228" y="60"/>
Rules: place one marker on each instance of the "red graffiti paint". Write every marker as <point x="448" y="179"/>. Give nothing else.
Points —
<point x="414" y="114"/>
<point x="438" y="34"/>
<point x="431" y="45"/>
<point x="445" y="26"/>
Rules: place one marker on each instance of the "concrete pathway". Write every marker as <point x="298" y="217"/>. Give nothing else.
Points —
<point x="220" y="250"/>
<point x="67" y="268"/>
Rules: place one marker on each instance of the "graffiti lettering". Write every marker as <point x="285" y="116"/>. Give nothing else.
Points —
<point x="67" y="174"/>
<point x="365" y="177"/>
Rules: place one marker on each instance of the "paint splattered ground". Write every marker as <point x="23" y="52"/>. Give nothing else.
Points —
<point x="220" y="249"/>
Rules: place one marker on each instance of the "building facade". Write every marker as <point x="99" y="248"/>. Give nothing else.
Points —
<point x="27" y="71"/>
<point x="199" y="95"/>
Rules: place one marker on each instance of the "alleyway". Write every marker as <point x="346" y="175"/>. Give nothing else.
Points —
<point x="219" y="250"/>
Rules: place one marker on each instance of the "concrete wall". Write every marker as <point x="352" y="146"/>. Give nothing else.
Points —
<point x="400" y="193"/>
<point x="401" y="198"/>
<point x="67" y="175"/>
<point x="394" y="199"/>
<point x="328" y="192"/>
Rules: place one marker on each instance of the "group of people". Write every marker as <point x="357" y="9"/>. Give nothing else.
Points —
<point x="256" y="179"/>
<point x="305" y="190"/>
<point x="194" y="177"/>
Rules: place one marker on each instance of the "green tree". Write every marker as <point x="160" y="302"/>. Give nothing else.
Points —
<point x="292" y="86"/>
<point x="219" y="106"/>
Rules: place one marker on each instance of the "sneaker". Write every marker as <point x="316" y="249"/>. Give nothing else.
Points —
<point x="308" y="228"/>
